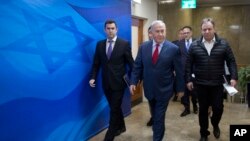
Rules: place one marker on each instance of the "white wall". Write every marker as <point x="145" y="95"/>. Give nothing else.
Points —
<point x="148" y="10"/>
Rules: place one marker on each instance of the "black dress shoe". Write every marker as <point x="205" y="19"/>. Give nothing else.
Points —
<point x="150" y="122"/>
<point x="108" y="139"/>
<point x="175" y="98"/>
<point x="109" y="136"/>
<point x="203" y="138"/>
<point x="120" y="131"/>
<point x="216" y="132"/>
<point x="185" y="112"/>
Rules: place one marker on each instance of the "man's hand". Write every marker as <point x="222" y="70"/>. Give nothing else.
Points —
<point x="233" y="82"/>
<point x="92" y="83"/>
<point x="180" y="94"/>
<point x="190" y="86"/>
<point x="132" y="88"/>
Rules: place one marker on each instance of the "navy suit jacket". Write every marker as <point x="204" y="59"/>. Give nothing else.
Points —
<point x="158" y="78"/>
<point x="113" y="69"/>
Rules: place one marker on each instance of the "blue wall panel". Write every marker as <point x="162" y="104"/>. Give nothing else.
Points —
<point x="46" y="51"/>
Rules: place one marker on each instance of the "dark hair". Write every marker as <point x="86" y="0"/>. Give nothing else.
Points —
<point x="205" y="20"/>
<point x="149" y="28"/>
<point x="109" y="22"/>
<point x="189" y="27"/>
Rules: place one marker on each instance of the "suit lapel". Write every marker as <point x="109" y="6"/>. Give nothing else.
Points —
<point x="103" y="49"/>
<point x="163" y="49"/>
<point x="116" y="48"/>
<point x="183" y="47"/>
<point x="149" y="52"/>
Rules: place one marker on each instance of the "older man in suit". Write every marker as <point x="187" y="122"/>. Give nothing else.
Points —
<point x="156" y="60"/>
<point x="112" y="55"/>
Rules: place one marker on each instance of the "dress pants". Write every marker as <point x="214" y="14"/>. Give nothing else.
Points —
<point x="209" y="95"/>
<point x="150" y="109"/>
<point x="174" y="88"/>
<point x="116" y="121"/>
<point x="186" y="101"/>
<point x="159" y="108"/>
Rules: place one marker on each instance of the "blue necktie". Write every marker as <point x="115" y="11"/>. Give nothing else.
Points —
<point x="188" y="44"/>
<point x="109" y="48"/>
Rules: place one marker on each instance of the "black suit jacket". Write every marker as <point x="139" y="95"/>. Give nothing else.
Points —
<point x="113" y="69"/>
<point x="184" y="51"/>
<point x="176" y="42"/>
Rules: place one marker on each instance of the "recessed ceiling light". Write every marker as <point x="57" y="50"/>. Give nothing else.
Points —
<point x="137" y="1"/>
<point x="216" y="7"/>
<point x="234" y="26"/>
<point x="166" y="1"/>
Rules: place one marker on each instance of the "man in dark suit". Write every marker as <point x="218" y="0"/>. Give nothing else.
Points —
<point x="176" y="42"/>
<point x="184" y="47"/>
<point x="112" y="55"/>
<point x="156" y="60"/>
<point x="180" y="37"/>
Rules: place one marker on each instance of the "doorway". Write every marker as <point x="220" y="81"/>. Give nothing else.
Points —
<point x="137" y="39"/>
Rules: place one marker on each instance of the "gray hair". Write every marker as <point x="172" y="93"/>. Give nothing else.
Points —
<point x="160" y="22"/>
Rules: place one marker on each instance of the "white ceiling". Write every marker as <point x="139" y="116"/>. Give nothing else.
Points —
<point x="219" y="2"/>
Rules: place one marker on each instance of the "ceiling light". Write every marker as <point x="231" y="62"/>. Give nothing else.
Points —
<point x="137" y="1"/>
<point x="235" y="27"/>
<point x="166" y="1"/>
<point x="216" y="7"/>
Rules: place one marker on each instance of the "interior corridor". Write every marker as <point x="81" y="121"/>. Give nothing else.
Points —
<point x="178" y="128"/>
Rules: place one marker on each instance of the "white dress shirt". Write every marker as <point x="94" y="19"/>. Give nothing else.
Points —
<point x="208" y="45"/>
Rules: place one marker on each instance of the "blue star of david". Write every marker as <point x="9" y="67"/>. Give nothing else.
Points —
<point x="36" y="36"/>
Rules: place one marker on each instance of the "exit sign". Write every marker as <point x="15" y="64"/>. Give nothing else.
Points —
<point x="188" y="4"/>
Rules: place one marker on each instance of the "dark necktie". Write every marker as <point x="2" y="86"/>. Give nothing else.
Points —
<point x="109" y="48"/>
<point x="155" y="54"/>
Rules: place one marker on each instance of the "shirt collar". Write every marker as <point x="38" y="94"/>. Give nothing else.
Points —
<point x="189" y="40"/>
<point x="154" y="43"/>
<point x="212" y="41"/>
<point x="114" y="39"/>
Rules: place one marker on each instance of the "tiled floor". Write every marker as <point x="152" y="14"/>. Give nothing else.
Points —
<point x="178" y="128"/>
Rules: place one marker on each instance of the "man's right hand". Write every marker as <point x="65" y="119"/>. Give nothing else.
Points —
<point x="190" y="86"/>
<point x="92" y="83"/>
<point x="180" y="94"/>
<point x="132" y="88"/>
